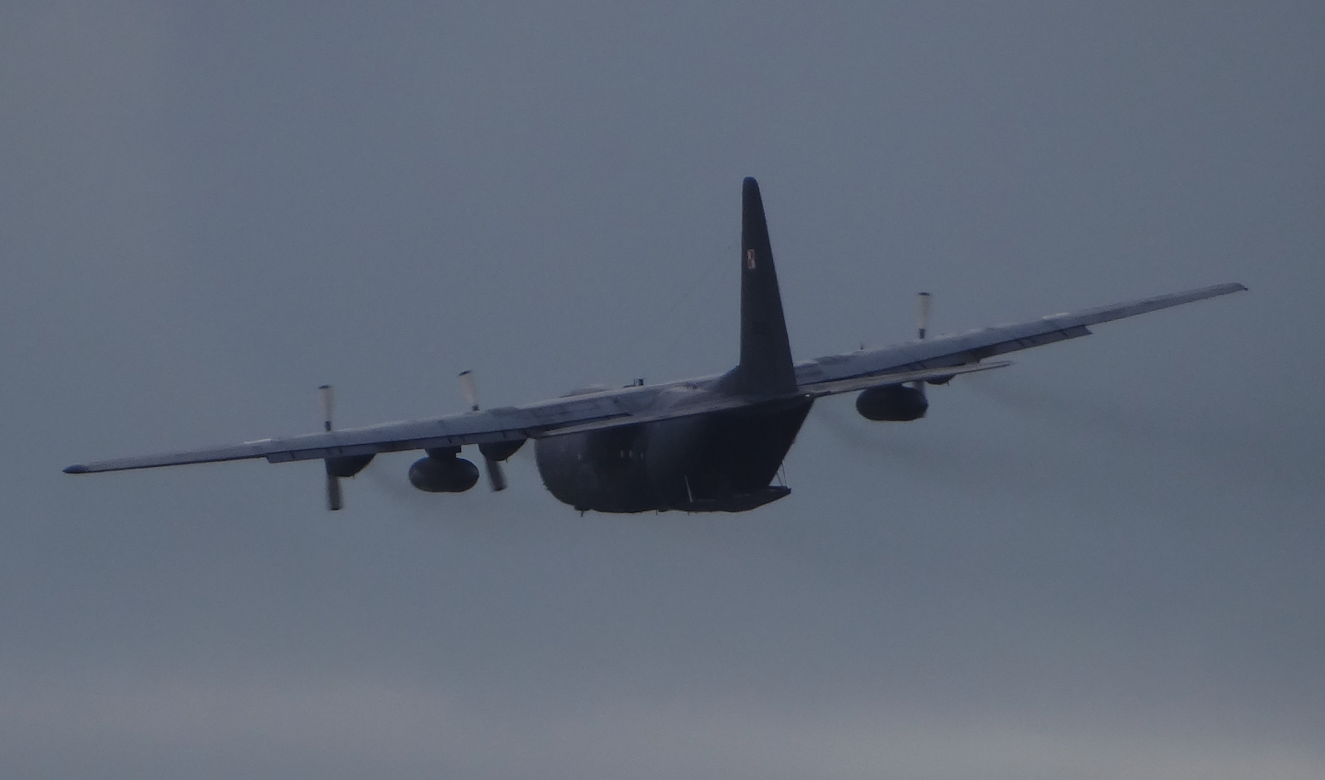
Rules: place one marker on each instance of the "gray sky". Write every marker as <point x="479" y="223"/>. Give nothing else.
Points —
<point x="1104" y="562"/>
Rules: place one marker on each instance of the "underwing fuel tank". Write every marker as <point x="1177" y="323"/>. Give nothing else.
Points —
<point x="443" y="472"/>
<point x="892" y="403"/>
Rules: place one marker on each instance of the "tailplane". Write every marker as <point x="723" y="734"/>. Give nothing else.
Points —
<point x="765" y="367"/>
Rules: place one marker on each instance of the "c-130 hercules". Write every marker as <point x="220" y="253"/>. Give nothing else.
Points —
<point x="711" y="444"/>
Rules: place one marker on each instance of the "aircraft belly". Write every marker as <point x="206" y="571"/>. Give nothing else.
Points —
<point x="705" y="463"/>
<point x="600" y="470"/>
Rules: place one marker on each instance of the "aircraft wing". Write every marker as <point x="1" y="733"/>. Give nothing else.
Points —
<point x="944" y="356"/>
<point x="490" y="425"/>
<point x="938" y="358"/>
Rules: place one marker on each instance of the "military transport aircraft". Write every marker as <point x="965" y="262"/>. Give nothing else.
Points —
<point x="711" y="444"/>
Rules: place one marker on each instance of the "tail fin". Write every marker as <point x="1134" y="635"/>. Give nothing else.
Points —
<point x="765" y="367"/>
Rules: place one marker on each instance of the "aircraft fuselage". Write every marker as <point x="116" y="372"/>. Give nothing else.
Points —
<point x="708" y="444"/>
<point x="718" y="462"/>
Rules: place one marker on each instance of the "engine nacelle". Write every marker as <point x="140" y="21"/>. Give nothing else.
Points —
<point x="347" y="465"/>
<point x="892" y="403"/>
<point x="447" y="474"/>
<point x="500" y="450"/>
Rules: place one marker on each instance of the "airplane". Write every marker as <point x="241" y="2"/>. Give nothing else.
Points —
<point x="709" y="444"/>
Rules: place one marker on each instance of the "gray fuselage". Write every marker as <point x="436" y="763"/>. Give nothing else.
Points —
<point x="721" y="461"/>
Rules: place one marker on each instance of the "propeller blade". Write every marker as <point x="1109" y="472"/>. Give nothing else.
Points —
<point x="922" y="313"/>
<point x="468" y="389"/>
<point x="327" y="402"/>
<point x="335" y="501"/>
<point x="496" y="475"/>
<point x="922" y="324"/>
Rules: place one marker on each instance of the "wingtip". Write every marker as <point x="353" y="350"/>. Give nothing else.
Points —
<point x="77" y="468"/>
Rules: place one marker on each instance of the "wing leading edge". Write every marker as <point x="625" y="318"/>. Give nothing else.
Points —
<point x="935" y="358"/>
<point x="491" y="425"/>
<point x="855" y="370"/>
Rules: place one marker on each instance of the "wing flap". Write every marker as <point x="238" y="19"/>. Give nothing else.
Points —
<point x="976" y="345"/>
<point x="494" y="425"/>
<point x="897" y="377"/>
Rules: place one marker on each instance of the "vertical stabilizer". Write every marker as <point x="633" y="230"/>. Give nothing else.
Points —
<point x="765" y="367"/>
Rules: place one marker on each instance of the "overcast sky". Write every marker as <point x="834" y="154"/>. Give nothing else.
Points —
<point x="1103" y="562"/>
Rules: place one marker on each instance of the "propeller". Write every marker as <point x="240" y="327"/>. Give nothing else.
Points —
<point x="339" y="466"/>
<point x="922" y="325"/>
<point x="469" y="389"/>
<point x="335" y="500"/>
<point x="491" y="463"/>
<point x="922" y="313"/>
